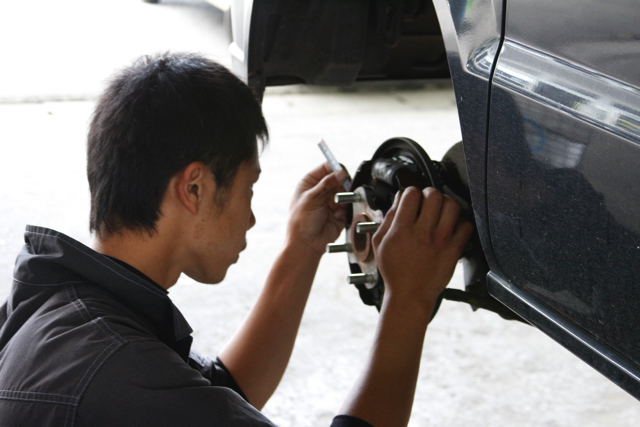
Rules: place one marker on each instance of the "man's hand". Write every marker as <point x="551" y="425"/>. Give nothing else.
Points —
<point x="419" y="243"/>
<point x="416" y="247"/>
<point x="315" y="218"/>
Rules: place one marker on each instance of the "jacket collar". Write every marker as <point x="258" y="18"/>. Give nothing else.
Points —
<point x="50" y="258"/>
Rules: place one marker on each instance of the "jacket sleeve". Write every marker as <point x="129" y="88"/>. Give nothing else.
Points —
<point x="214" y="371"/>
<point x="349" y="421"/>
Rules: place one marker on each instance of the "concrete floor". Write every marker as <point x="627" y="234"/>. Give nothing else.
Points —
<point x="477" y="368"/>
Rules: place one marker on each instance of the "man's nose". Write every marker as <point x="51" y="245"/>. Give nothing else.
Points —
<point x="252" y="221"/>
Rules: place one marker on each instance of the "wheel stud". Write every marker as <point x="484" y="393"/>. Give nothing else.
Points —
<point x="333" y="248"/>
<point x="361" y="279"/>
<point x="347" y="198"/>
<point x="367" y="227"/>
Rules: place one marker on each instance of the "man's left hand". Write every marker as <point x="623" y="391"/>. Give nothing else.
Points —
<point x="315" y="218"/>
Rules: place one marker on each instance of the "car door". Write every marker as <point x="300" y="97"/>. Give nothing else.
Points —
<point x="563" y="177"/>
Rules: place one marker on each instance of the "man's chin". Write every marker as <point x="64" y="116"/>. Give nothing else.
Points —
<point x="207" y="279"/>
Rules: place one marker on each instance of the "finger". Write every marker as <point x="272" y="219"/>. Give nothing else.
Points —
<point x="337" y="209"/>
<point x="431" y="207"/>
<point x="329" y="185"/>
<point x="387" y="221"/>
<point x="448" y="215"/>
<point x="461" y="234"/>
<point x="319" y="172"/>
<point x="312" y="179"/>
<point x="408" y="207"/>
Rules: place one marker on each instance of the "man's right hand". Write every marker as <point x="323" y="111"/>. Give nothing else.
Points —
<point x="418" y="245"/>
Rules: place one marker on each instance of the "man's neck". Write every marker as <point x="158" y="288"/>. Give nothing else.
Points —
<point x="147" y="253"/>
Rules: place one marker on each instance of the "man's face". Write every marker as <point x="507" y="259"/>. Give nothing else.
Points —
<point x="221" y="233"/>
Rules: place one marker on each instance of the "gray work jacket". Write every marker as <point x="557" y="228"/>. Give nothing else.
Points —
<point x="85" y="341"/>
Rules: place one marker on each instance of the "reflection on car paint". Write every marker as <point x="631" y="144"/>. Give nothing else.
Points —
<point x="591" y="97"/>
<point x="480" y="64"/>
<point x="551" y="148"/>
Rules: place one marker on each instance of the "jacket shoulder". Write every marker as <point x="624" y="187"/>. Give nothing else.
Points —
<point x="51" y="346"/>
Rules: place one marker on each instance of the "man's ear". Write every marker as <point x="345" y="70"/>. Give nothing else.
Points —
<point x="192" y="183"/>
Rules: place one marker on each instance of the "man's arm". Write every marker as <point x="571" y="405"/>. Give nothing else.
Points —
<point x="258" y="354"/>
<point x="416" y="247"/>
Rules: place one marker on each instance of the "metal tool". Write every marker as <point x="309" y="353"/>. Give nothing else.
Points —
<point x="333" y="162"/>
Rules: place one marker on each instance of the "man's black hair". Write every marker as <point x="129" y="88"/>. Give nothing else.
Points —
<point x="155" y="118"/>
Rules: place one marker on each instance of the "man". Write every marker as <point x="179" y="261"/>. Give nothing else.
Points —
<point x="89" y="336"/>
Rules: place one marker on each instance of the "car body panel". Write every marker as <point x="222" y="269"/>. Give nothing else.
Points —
<point x="472" y="38"/>
<point x="563" y="185"/>
<point x="581" y="343"/>
<point x="335" y="42"/>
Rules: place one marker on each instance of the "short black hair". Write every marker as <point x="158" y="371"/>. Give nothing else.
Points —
<point x="156" y="117"/>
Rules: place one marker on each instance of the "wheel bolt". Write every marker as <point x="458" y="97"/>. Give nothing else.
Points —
<point x="347" y="198"/>
<point x="361" y="279"/>
<point x="367" y="227"/>
<point x="333" y="248"/>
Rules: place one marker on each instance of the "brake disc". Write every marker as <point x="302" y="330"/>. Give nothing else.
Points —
<point x="397" y="164"/>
